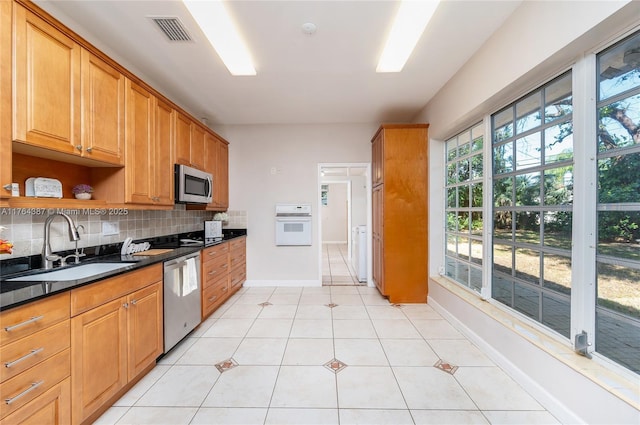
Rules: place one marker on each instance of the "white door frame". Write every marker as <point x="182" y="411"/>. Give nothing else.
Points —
<point x="366" y="165"/>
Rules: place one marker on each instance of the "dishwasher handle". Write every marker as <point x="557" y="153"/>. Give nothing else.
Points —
<point x="179" y="262"/>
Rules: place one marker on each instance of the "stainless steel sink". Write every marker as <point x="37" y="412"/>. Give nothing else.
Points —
<point x="72" y="273"/>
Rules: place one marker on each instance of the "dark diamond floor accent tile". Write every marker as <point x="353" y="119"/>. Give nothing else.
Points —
<point x="331" y="305"/>
<point x="446" y="367"/>
<point x="335" y="365"/>
<point x="396" y="305"/>
<point x="225" y="365"/>
<point x="265" y="304"/>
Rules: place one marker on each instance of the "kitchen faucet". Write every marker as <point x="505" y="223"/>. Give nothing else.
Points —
<point x="48" y="257"/>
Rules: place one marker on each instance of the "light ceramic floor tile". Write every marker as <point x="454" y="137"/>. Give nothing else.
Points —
<point x="349" y="312"/>
<point x="242" y="311"/>
<point x="176" y="352"/>
<point x="347" y="299"/>
<point x="278" y="312"/>
<point x="251" y="299"/>
<point x="260" y="351"/>
<point x="420" y="312"/>
<point x="375" y="417"/>
<point x="360" y="352"/>
<point x="449" y="417"/>
<point x="317" y="290"/>
<point x="138" y="390"/>
<point x="181" y="386"/>
<point x="488" y="387"/>
<point x="430" y="388"/>
<point x="204" y="326"/>
<point x="305" y="328"/>
<point x="520" y="417"/>
<point x="313" y="312"/>
<point x="229" y="328"/>
<point x="209" y="351"/>
<point x="308" y="352"/>
<point x="437" y="329"/>
<point x="243" y="386"/>
<point x="111" y="416"/>
<point x="459" y="352"/>
<point x="315" y="299"/>
<point x="374" y="299"/>
<point x="229" y="416"/>
<point x="277" y="416"/>
<point x="158" y="416"/>
<point x="295" y="290"/>
<point x="344" y="290"/>
<point x="408" y="352"/>
<point x="385" y="312"/>
<point x="395" y="328"/>
<point x="284" y="299"/>
<point x="270" y="328"/>
<point x="260" y="290"/>
<point x="305" y="386"/>
<point x="353" y="329"/>
<point x="368" y="388"/>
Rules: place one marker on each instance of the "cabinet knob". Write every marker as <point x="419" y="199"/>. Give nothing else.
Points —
<point x="134" y="302"/>
<point x="79" y="147"/>
<point x="89" y="150"/>
<point x="125" y="305"/>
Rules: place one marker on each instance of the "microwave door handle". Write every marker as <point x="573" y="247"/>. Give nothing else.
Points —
<point x="210" y="187"/>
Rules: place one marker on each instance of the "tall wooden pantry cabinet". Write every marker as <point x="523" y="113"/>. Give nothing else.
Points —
<point x="400" y="212"/>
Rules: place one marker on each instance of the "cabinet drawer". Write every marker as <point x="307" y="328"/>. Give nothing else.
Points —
<point x="220" y="250"/>
<point x="214" y="296"/>
<point x="26" y="352"/>
<point x="21" y="389"/>
<point x="53" y="407"/>
<point x="238" y="260"/>
<point x="237" y="243"/>
<point x="33" y="317"/>
<point x="237" y="278"/>
<point x="214" y="270"/>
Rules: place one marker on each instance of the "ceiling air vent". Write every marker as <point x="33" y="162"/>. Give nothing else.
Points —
<point x="172" y="28"/>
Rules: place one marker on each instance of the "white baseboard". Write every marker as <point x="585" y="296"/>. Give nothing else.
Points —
<point x="326" y="242"/>
<point x="288" y="283"/>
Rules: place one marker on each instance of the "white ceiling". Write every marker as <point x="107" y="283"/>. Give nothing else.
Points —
<point x="328" y="77"/>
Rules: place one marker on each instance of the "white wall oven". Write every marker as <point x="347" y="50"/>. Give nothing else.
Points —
<point x="293" y="224"/>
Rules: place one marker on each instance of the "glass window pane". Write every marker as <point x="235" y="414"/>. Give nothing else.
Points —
<point x="452" y="221"/>
<point x="528" y="189"/>
<point x="528" y="113"/>
<point x="618" y="234"/>
<point x="528" y="227"/>
<point x="477" y="136"/>
<point x="476" y="223"/>
<point x="462" y="274"/>
<point x="476" y="167"/>
<point x="528" y="152"/>
<point x="558" y="99"/>
<point x="503" y="258"/>
<point x="502" y="225"/>
<point x="558" y="186"/>
<point x="452" y="246"/>
<point x="476" y="251"/>
<point x="463" y="222"/>
<point x="502" y="289"/>
<point x="557" y="273"/>
<point x="503" y="158"/>
<point x="503" y="192"/>
<point x="558" y="143"/>
<point x="528" y="265"/>
<point x="556" y="314"/>
<point x="475" y="279"/>
<point x="618" y="179"/>
<point x="618" y="338"/>
<point x="557" y="229"/>
<point x="618" y="68"/>
<point x="451" y="197"/>
<point x="619" y="289"/>
<point x="463" y="248"/>
<point x="463" y="170"/>
<point x="476" y="195"/>
<point x="450" y="267"/>
<point x="526" y="301"/>
<point x="463" y="196"/>
<point x="452" y="173"/>
<point x="618" y="124"/>
<point x="503" y="125"/>
<point x="452" y="149"/>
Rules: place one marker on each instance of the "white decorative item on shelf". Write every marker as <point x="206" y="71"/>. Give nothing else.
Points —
<point x="43" y="187"/>
<point x="223" y="216"/>
<point x="83" y="196"/>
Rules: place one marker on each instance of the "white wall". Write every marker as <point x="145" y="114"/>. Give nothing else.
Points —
<point x="295" y="151"/>
<point x="334" y="214"/>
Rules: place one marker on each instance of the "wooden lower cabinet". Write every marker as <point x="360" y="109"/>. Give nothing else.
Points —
<point x="144" y="328"/>
<point x="53" y="407"/>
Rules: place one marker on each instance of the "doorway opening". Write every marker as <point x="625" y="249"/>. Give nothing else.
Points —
<point x="344" y="192"/>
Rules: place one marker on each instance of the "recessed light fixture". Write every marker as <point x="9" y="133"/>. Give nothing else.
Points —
<point x="309" y="28"/>
<point x="409" y="24"/>
<point x="217" y="26"/>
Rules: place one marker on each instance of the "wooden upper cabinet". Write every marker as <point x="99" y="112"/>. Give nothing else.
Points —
<point x="139" y="137"/>
<point x="217" y="163"/>
<point x="6" y="175"/>
<point x="197" y="146"/>
<point x="163" y="181"/>
<point x="102" y="89"/>
<point x="377" y="159"/>
<point x="183" y="139"/>
<point x="46" y="98"/>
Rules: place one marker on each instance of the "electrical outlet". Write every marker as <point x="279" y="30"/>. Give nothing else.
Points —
<point x="110" y="228"/>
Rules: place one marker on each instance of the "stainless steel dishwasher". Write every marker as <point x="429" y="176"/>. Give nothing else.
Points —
<point x="182" y="299"/>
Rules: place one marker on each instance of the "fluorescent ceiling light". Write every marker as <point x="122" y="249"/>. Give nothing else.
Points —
<point x="216" y="24"/>
<point x="409" y="24"/>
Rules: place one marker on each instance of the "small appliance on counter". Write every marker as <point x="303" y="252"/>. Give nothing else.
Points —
<point x="212" y="229"/>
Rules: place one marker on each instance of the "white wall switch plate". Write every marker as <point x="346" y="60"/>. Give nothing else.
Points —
<point x="110" y="228"/>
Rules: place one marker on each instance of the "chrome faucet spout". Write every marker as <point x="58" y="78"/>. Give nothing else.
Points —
<point x="47" y="255"/>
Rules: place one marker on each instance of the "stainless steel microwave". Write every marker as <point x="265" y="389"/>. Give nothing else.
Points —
<point x="193" y="186"/>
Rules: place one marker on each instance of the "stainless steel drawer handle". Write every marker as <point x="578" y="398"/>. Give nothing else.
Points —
<point x="25" y="357"/>
<point x="213" y="272"/>
<point x="213" y="298"/>
<point x="26" y="322"/>
<point x="23" y="393"/>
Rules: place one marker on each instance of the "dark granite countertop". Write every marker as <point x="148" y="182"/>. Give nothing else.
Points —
<point x="16" y="293"/>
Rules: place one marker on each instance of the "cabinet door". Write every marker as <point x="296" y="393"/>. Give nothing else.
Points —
<point x="52" y="408"/>
<point x="197" y="147"/>
<point x="102" y="110"/>
<point x="47" y="85"/>
<point x="139" y="143"/>
<point x="377" y="238"/>
<point x="221" y="179"/>
<point x="210" y="165"/>
<point x="163" y="153"/>
<point x="145" y="328"/>
<point x="98" y="357"/>
<point x="183" y="140"/>
<point x="5" y="99"/>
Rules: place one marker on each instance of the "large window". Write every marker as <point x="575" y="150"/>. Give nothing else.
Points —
<point x="464" y="207"/>
<point x="618" y="250"/>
